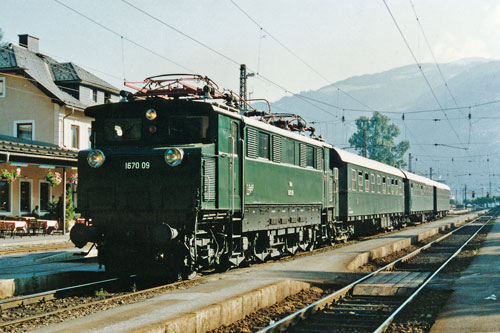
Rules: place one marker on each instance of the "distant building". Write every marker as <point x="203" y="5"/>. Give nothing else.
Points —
<point x="41" y="108"/>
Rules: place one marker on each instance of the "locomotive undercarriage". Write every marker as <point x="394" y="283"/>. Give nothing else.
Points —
<point x="218" y="241"/>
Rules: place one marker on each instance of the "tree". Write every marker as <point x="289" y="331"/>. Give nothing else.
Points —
<point x="375" y="139"/>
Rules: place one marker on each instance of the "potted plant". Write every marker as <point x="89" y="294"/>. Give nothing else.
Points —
<point x="54" y="178"/>
<point x="9" y="176"/>
<point x="74" y="179"/>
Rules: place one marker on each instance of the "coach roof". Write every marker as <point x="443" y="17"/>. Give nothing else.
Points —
<point x="348" y="157"/>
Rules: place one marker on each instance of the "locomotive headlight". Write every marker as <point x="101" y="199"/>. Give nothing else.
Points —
<point x="151" y="114"/>
<point x="173" y="156"/>
<point x="96" y="158"/>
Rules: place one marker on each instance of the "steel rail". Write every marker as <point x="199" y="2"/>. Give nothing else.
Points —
<point x="289" y="320"/>
<point x="76" y="307"/>
<point x="13" y="302"/>
<point x="388" y="321"/>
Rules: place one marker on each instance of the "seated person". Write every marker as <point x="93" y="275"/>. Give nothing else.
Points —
<point x="36" y="212"/>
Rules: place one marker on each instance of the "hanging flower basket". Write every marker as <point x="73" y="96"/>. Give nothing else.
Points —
<point x="74" y="179"/>
<point x="54" y="178"/>
<point x="9" y="176"/>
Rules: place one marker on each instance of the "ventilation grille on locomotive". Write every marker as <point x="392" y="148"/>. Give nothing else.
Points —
<point x="276" y="149"/>
<point x="319" y="158"/>
<point x="303" y="157"/>
<point x="209" y="180"/>
<point x="251" y="143"/>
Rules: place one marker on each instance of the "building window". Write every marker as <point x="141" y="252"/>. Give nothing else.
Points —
<point x="24" y="130"/>
<point x="75" y="136"/>
<point x="2" y="87"/>
<point x="44" y="196"/>
<point x="93" y="94"/>
<point x="25" y="196"/>
<point x="264" y="145"/>
<point x="4" y="196"/>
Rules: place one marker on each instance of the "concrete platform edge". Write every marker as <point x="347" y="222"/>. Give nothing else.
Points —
<point x="230" y="310"/>
<point x="365" y="257"/>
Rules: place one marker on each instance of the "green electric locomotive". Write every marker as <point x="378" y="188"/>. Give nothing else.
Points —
<point x="179" y="178"/>
<point x="181" y="182"/>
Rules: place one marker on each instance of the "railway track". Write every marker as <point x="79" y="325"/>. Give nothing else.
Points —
<point x="367" y="305"/>
<point x="16" y="314"/>
<point x="27" y="312"/>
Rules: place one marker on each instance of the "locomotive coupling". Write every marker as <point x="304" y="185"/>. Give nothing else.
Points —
<point x="162" y="234"/>
<point x="81" y="234"/>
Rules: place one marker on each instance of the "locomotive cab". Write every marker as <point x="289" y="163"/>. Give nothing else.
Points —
<point x="140" y="182"/>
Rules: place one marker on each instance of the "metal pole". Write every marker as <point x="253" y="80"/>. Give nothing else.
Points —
<point x="243" y="85"/>
<point x="409" y="162"/>
<point x="430" y="174"/>
<point x="364" y="143"/>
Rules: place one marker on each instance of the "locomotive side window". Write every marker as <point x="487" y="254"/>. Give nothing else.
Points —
<point x="310" y="156"/>
<point x="264" y="145"/>
<point x="190" y="127"/>
<point x="288" y="155"/>
<point x="116" y="130"/>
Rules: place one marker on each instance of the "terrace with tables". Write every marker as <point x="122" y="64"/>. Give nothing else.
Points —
<point x="26" y="184"/>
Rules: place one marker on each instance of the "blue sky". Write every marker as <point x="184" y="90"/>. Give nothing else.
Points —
<point x="337" y="38"/>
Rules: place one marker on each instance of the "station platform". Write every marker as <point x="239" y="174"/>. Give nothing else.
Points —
<point x="224" y="298"/>
<point x="30" y="241"/>
<point x="474" y="305"/>
<point x="31" y="272"/>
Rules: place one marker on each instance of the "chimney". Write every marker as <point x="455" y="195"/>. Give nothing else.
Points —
<point x="29" y="42"/>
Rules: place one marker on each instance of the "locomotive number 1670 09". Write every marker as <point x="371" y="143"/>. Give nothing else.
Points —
<point x="137" y="165"/>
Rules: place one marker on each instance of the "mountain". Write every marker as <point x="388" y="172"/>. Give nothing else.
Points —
<point x="464" y="145"/>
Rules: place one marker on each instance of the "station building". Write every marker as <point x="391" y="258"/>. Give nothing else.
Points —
<point x="42" y="125"/>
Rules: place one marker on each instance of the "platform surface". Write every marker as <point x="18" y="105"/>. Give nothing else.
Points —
<point x="330" y="266"/>
<point x="391" y="284"/>
<point x="474" y="305"/>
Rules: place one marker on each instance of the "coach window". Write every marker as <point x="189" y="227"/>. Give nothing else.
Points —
<point x="360" y="180"/>
<point x="353" y="179"/>
<point x="379" y="184"/>
<point x="383" y="185"/>
<point x="367" y="182"/>
<point x="373" y="182"/>
<point x="264" y="145"/>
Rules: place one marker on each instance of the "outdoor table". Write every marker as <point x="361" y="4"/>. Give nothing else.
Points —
<point x="47" y="224"/>
<point x="16" y="225"/>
